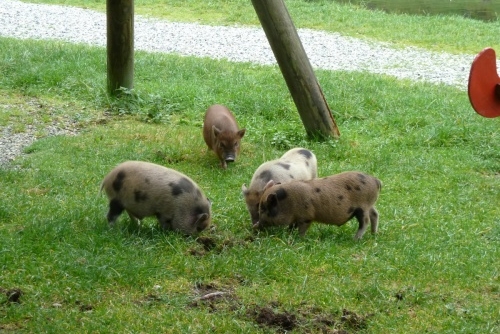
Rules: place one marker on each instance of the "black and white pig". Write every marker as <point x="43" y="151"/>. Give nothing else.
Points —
<point x="296" y="164"/>
<point x="145" y="189"/>
<point x="332" y="200"/>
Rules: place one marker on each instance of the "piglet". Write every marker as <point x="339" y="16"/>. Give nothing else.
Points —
<point x="221" y="133"/>
<point x="332" y="200"/>
<point x="145" y="189"/>
<point x="296" y="164"/>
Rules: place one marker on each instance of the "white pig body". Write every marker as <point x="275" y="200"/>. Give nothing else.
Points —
<point x="296" y="164"/>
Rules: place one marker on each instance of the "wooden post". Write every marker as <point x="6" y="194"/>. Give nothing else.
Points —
<point x="120" y="44"/>
<point x="296" y="68"/>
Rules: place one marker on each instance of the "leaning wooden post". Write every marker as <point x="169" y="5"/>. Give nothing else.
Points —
<point x="296" y="68"/>
<point x="120" y="44"/>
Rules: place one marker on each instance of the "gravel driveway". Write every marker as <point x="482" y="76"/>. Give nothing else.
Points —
<point x="330" y="51"/>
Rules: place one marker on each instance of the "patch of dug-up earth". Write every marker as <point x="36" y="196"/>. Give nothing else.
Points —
<point x="305" y="319"/>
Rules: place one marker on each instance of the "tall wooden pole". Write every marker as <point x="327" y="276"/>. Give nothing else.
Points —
<point x="120" y="44"/>
<point x="296" y="68"/>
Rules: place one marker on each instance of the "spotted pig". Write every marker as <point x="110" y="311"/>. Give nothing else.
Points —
<point x="296" y="164"/>
<point x="332" y="200"/>
<point x="145" y="189"/>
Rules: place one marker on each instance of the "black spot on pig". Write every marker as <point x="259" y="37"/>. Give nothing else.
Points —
<point x="348" y="187"/>
<point x="357" y="187"/>
<point x="184" y="185"/>
<point x="266" y="176"/>
<point x="340" y="197"/>
<point x="284" y="165"/>
<point x="306" y="153"/>
<point x="281" y="194"/>
<point x="317" y="190"/>
<point x="118" y="182"/>
<point x="291" y="176"/>
<point x="362" y="178"/>
<point x="140" y="196"/>
<point x="146" y="180"/>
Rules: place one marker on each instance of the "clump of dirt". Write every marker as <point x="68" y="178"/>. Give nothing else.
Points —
<point x="207" y="242"/>
<point x="266" y="316"/>
<point x="307" y="320"/>
<point x="215" y="297"/>
<point x="354" y="320"/>
<point x="13" y="295"/>
<point x="84" y="307"/>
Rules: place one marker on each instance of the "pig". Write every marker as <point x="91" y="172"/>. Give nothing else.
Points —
<point x="221" y="133"/>
<point x="145" y="189"/>
<point x="296" y="164"/>
<point x="332" y="200"/>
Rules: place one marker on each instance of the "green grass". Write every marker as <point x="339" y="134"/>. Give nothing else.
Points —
<point x="433" y="267"/>
<point x="452" y="33"/>
<point x="479" y="9"/>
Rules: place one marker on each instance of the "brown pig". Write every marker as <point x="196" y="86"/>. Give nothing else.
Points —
<point x="332" y="200"/>
<point x="145" y="189"/>
<point x="221" y="133"/>
<point x="296" y="164"/>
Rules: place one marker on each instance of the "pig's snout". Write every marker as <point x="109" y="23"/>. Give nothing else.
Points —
<point x="230" y="158"/>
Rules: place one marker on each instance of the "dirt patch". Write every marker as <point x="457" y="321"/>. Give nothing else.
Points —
<point x="215" y="297"/>
<point x="84" y="307"/>
<point x="266" y="316"/>
<point x="307" y="320"/>
<point x="211" y="244"/>
<point x="218" y="297"/>
<point x="207" y="242"/>
<point x="13" y="295"/>
<point x="354" y="320"/>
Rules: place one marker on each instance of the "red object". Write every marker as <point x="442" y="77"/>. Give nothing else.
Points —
<point x="484" y="84"/>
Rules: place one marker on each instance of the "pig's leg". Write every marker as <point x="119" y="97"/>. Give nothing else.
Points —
<point x="374" y="220"/>
<point x="115" y="210"/>
<point x="133" y="218"/>
<point x="165" y="222"/>
<point x="303" y="227"/>
<point x="364" y="220"/>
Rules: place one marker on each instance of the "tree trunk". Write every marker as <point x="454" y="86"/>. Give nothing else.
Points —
<point x="120" y="44"/>
<point x="296" y="68"/>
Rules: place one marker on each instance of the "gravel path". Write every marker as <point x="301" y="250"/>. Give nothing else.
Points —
<point x="330" y="51"/>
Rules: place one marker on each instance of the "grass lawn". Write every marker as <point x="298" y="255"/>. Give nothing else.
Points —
<point x="433" y="266"/>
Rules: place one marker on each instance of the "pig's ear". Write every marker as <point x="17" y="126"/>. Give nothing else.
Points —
<point x="244" y="189"/>
<point x="215" y="130"/>
<point x="241" y="133"/>
<point x="269" y="184"/>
